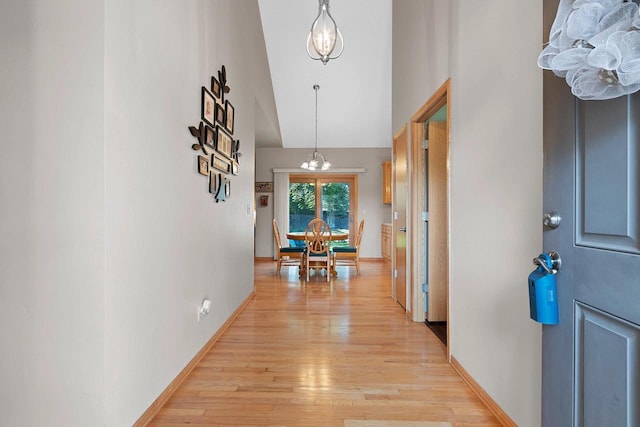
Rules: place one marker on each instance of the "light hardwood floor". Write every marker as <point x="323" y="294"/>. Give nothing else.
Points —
<point x="317" y="354"/>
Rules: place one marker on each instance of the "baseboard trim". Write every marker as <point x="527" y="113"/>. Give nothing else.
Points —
<point x="164" y="397"/>
<point x="263" y="258"/>
<point x="495" y="409"/>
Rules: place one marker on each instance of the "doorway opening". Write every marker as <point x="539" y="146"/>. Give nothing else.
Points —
<point x="430" y="211"/>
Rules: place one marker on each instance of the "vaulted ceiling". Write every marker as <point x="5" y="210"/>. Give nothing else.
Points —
<point x="354" y="99"/>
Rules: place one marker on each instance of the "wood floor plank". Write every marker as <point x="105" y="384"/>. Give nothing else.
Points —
<point x="318" y="353"/>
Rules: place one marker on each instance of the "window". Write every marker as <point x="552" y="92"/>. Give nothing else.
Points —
<point x="330" y="197"/>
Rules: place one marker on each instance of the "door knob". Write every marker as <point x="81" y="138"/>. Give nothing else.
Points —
<point x="551" y="220"/>
<point x="404" y="229"/>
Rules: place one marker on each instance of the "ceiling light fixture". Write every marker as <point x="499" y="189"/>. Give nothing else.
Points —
<point x="325" y="37"/>
<point x="317" y="159"/>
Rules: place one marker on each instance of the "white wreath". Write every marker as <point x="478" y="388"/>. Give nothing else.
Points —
<point x="595" y="46"/>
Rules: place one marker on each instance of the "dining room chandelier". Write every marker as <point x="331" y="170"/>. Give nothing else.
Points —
<point x="325" y="40"/>
<point x="317" y="160"/>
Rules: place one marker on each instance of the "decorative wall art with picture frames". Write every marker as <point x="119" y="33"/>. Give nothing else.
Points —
<point x="224" y="142"/>
<point x="220" y="163"/>
<point x="228" y="112"/>
<point x="264" y="187"/>
<point x="220" y="151"/>
<point x="203" y="165"/>
<point x="208" y="106"/>
<point x="209" y="137"/>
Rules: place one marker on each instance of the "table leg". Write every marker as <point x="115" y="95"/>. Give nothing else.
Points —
<point x="303" y="267"/>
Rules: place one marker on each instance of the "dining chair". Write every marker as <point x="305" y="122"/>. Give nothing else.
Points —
<point x="349" y="255"/>
<point x="317" y="240"/>
<point x="287" y="256"/>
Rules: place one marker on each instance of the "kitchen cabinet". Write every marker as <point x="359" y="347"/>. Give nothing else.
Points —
<point x="386" y="241"/>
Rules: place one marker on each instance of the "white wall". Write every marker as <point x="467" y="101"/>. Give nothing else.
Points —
<point x="109" y="238"/>
<point x="370" y="206"/>
<point x="420" y="55"/>
<point x="52" y="213"/>
<point x="169" y="245"/>
<point x="496" y="185"/>
<point x="496" y="198"/>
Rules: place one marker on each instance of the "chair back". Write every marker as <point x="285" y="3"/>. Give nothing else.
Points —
<point x="317" y="237"/>
<point x="359" y="235"/>
<point x="276" y="234"/>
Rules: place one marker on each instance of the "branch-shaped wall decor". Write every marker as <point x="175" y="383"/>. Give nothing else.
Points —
<point x="214" y="136"/>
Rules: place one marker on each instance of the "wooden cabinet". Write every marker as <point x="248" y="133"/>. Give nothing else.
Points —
<point x="386" y="241"/>
<point x="386" y="182"/>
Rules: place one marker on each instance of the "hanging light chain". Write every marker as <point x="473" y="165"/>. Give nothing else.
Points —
<point x="314" y="162"/>
<point x="316" y="87"/>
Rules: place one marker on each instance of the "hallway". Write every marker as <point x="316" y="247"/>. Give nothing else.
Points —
<point x="324" y="354"/>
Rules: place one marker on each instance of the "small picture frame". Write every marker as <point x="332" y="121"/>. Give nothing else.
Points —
<point x="264" y="187"/>
<point x="235" y="150"/>
<point x="220" y="163"/>
<point x="220" y="114"/>
<point x="229" y="115"/>
<point x="209" y="106"/>
<point x="234" y="167"/>
<point x="203" y="165"/>
<point x="224" y="142"/>
<point x="209" y="137"/>
<point x="214" y="182"/>
<point x="216" y="89"/>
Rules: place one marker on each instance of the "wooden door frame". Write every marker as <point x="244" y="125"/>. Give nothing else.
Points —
<point x="440" y="98"/>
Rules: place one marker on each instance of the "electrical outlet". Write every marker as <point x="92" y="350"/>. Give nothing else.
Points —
<point x="204" y="307"/>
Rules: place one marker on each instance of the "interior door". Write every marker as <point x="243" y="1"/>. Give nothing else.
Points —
<point x="591" y="359"/>
<point x="438" y="223"/>
<point x="400" y="216"/>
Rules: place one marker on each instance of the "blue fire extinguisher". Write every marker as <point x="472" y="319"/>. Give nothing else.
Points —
<point x="543" y="301"/>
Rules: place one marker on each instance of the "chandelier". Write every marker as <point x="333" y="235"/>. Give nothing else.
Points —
<point x="317" y="159"/>
<point x="324" y="38"/>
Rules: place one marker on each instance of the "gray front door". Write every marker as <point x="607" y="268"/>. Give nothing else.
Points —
<point x="591" y="359"/>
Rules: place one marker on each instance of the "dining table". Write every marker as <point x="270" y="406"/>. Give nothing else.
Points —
<point x="300" y="236"/>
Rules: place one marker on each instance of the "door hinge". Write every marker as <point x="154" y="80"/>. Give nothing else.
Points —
<point x="395" y="273"/>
